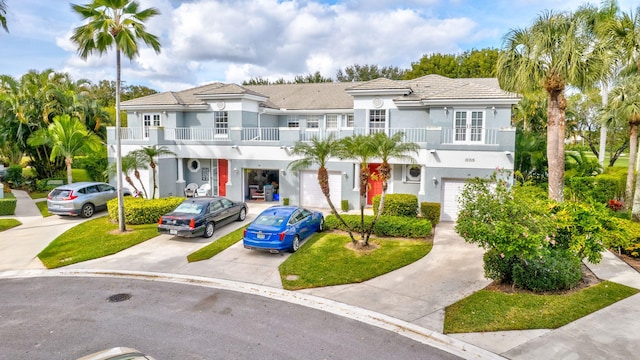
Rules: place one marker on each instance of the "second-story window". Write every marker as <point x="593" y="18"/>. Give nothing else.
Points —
<point x="313" y="121"/>
<point x="293" y="121"/>
<point x="348" y="120"/>
<point x="221" y="123"/>
<point x="377" y="121"/>
<point x="332" y="121"/>
<point x="469" y="126"/>
<point x="149" y="120"/>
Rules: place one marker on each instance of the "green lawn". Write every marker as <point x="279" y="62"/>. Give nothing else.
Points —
<point x="42" y="206"/>
<point x="6" y="224"/>
<point x="217" y="246"/>
<point x="324" y="260"/>
<point x="488" y="310"/>
<point x="91" y="240"/>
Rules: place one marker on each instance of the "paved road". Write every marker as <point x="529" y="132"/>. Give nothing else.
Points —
<point x="68" y="317"/>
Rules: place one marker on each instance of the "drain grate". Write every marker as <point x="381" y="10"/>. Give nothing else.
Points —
<point x="119" y="297"/>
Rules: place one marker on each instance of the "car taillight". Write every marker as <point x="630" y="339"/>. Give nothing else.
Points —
<point x="282" y="234"/>
<point x="192" y="224"/>
<point x="70" y="197"/>
<point x="160" y="221"/>
<point x="244" y="233"/>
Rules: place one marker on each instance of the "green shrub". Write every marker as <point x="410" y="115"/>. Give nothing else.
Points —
<point x="285" y="201"/>
<point x="397" y="205"/>
<point x="8" y="204"/>
<point x="139" y="211"/>
<point x="14" y="176"/>
<point x="394" y="226"/>
<point x="344" y="205"/>
<point x="498" y="267"/>
<point x="95" y="164"/>
<point x="600" y="189"/>
<point x="554" y="270"/>
<point x="431" y="212"/>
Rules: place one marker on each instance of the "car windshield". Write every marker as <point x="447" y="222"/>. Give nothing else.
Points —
<point x="189" y="208"/>
<point x="269" y="220"/>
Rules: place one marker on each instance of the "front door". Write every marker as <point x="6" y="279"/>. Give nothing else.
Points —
<point x="374" y="184"/>
<point x="223" y="176"/>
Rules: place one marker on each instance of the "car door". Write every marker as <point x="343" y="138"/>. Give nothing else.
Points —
<point x="230" y="211"/>
<point x="216" y="211"/>
<point x="305" y="222"/>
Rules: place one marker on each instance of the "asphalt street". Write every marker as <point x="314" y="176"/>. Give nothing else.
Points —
<point x="68" y="317"/>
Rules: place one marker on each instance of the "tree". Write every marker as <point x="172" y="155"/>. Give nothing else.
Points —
<point x="318" y="152"/>
<point x="360" y="148"/>
<point x="68" y="138"/>
<point x="119" y="24"/>
<point x="470" y="64"/>
<point x="3" y="13"/>
<point x="388" y="147"/>
<point x="128" y="163"/>
<point x="551" y="54"/>
<point x="311" y="78"/>
<point x="369" y="72"/>
<point x="148" y="154"/>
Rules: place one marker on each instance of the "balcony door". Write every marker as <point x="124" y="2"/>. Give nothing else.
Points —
<point x="469" y="127"/>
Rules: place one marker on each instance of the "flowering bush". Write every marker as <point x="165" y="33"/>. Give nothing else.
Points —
<point x="615" y="205"/>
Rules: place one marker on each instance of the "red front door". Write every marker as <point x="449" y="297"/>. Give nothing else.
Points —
<point x="223" y="176"/>
<point x="375" y="184"/>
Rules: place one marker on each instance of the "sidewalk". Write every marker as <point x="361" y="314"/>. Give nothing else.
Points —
<point x="416" y="294"/>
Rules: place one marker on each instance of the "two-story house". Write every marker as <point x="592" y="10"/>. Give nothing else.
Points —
<point x="238" y="139"/>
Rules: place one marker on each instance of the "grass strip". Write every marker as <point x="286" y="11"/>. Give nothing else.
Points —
<point x="217" y="246"/>
<point x="489" y="310"/>
<point x="93" y="239"/>
<point x="325" y="260"/>
<point x="44" y="210"/>
<point x="6" y="224"/>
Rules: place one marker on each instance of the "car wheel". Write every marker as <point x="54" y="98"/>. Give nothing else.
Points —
<point x="242" y="215"/>
<point x="209" y="229"/>
<point x="295" y="244"/>
<point x="321" y="225"/>
<point x="87" y="210"/>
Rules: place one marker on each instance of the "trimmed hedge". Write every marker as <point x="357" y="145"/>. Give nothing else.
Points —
<point x="601" y="188"/>
<point x="394" y="226"/>
<point x="397" y="205"/>
<point x="555" y="270"/>
<point x="8" y="204"/>
<point x="431" y="212"/>
<point x="139" y="211"/>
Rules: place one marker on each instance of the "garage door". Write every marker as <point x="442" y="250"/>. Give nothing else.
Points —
<point x="450" y="191"/>
<point x="311" y="194"/>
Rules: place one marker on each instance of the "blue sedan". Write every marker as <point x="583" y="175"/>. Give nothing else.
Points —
<point x="281" y="228"/>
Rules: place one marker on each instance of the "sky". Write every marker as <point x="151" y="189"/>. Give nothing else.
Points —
<point x="232" y="41"/>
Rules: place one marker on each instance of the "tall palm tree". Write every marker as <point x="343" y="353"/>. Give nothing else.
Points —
<point x="387" y="148"/>
<point x="137" y="164"/>
<point x="360" y="148"/>
<point x="319" y="152"/>
<point x="553" y="53"/>
<point x="3" y="13"/>
<point x="68" y="138"/>
<point x="148" y="154"/>
<point x="128" y="163"/>
<point x="119" y="24"/>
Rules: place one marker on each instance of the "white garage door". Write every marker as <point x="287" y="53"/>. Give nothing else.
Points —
<point x="311" y="194"/>
<point x="450" y="191"/>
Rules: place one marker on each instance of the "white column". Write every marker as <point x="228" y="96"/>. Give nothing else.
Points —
<point x="423" y="174"/>
<point x="180" y="170"/>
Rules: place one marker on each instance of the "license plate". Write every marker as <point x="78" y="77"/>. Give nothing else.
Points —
<point x="173" y="232"/>
<point x="57" y="206"/>
<point x="260" y="236"/>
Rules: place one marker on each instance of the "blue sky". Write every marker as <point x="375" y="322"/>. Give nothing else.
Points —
<point x="234" y="40"/>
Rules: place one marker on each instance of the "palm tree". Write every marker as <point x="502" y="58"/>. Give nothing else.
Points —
<point x="388" y="147"/>
<point x="68" y="138"/>
<point x="360" y="148"/>
<point x="147" y="154"/>
<point x="319" y="152"/>
<point x="3" y="13"/>
<point x="553" y="53"/>
<point x="118" y="23"/>
<point x="137" y="164"/>
<point x="128" y="164"/>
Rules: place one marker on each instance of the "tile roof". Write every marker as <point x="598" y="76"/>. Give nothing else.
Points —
<point x="318" y="96"/>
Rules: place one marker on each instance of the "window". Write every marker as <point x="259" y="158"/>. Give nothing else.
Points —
<point x="348" y="118"/>
<point x="221" y="124"/>
<point x="377" y="121"/>
<point x="313" y="121"/>
<point x="149" y="120"/>
<point x="412" y="173"/>
<point x="468" y="127"/>
<point x="332" y="121"/>
<point x="293" y="121"/>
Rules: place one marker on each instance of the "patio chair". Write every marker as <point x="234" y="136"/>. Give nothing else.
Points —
<point x="190" y="190"/>
<point x="204" y="190"/>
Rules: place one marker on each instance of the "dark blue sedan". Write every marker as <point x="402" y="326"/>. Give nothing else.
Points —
<point x="201" y="216"/>
<point x="282" y="228"/>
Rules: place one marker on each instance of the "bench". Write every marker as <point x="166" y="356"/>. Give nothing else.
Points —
<point x="54" y="182"/>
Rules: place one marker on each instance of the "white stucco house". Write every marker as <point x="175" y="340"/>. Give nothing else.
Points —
<point x="238" y="138"/>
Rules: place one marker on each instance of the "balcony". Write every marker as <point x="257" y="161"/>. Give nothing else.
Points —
<point x="436" y="137"/>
